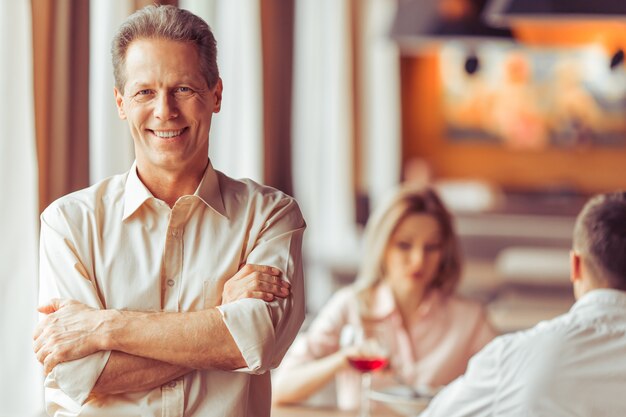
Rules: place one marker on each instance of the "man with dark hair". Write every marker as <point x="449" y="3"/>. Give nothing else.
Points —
<point x="158" y="284"/>
<point x="573" y="365"/>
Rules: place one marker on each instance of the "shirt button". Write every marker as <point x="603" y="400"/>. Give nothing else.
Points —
<point x="171" y="282"/>
<point x="172" y="384"/>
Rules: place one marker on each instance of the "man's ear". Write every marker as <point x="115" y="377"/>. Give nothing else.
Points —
<point x="217" y="91"/>
<point x="119" y="101"/>
<point x="575" y="266"/>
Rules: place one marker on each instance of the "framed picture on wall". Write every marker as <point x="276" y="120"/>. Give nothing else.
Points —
<point x="517" y="117"/>
<point x="532" y="98"/>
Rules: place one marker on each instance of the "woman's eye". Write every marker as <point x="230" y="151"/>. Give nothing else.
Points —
<point x="403" y="245"/>
<point x="432" y="247"/>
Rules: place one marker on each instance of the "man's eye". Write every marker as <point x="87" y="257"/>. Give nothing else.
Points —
<point x="183" y="92"/>
<point x="144" y="95"/>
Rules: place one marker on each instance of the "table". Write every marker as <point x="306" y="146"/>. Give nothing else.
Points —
<point x="303" y="411"/>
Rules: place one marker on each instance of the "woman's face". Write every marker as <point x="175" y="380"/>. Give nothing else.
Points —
<point x="414" y="251"/>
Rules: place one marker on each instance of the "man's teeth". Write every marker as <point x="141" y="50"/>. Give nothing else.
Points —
<point x="168" y="133"/>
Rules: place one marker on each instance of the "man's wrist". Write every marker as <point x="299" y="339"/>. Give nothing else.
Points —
<point x="113" y="325"/>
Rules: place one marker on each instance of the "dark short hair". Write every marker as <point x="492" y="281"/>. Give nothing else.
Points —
<point x="600" y="238"/>
<point x="165" y="22"/>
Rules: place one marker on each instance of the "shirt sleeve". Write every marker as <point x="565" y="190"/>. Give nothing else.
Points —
<point x="323" y="335"/>
<point x="475" y="393"/>
<point x="263" y="331"/>
<point x="63" y="274"/>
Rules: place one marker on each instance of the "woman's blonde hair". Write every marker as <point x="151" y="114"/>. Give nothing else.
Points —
<point x="409" y="199"/>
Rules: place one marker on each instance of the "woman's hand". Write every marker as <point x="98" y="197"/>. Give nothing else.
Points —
<point x="255" y="281"/>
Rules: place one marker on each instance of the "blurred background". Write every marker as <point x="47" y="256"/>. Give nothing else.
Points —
<point x="514" y="110"/>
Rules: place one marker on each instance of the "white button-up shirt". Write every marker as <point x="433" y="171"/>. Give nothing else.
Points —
<point x="115" y="246"/>
<point x="573" y="365"/>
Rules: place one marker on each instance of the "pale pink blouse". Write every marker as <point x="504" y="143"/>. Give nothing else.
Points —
<point x="430" y="351"/>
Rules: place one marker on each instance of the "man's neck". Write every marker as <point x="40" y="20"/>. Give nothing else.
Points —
<point x="169" y="186"/>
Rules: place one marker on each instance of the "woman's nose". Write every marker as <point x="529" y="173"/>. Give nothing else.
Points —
<point x="417" y="257"/>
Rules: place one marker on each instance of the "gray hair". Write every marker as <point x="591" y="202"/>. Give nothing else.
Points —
<point x="165" y="22"/>
<point x="409" y="199"/>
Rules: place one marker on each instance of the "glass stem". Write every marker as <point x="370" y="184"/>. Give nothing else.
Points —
<point x="366" y="383"/>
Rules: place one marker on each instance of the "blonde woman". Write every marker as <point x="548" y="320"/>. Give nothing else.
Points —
<point x="411" y="267"/>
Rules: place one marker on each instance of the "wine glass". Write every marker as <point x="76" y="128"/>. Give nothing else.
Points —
<point x="368" y="352"/>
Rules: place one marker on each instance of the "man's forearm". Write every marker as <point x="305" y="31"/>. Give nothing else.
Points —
<point x="128" y="373"/>
<point x="198" y="340"/>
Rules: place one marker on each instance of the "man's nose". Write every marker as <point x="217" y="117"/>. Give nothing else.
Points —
<point x="165" y="107"/>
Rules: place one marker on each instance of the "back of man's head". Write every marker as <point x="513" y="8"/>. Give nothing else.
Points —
<point x="600" y="239"/>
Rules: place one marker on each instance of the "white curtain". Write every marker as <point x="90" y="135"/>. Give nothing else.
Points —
<point x="322" y="139"/>
<point x="237" y="132"/>
<point x="236" y="146"/>
<point x="21" y="383"/>
<point x="110" y="144"/>
<point x="381" y="99"/>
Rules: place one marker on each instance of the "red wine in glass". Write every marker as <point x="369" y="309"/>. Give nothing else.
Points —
<point x="368" y="364"/>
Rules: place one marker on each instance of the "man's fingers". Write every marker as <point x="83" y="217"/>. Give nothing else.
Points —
<point x="269" y="286"/>
<point x="248" y="269"/>
<point x="46" y="309"/>
<point x="54" y="305"/>
<point x="37" y="343"/>
<point x="49" y="363"/>
<point x="41" y="355"/>
<point x="38" y="329"/>
<point x="256" y="281"/>
<point x="267" y="283"/>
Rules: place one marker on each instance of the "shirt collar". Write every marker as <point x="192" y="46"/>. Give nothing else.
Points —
<point x="210" y="192"/>
<point x="384" y="303"/>
<point x="601" y="296"/>
<point x="136" y="193"/>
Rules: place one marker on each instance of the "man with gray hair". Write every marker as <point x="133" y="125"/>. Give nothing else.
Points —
<point x="158" y="284"/>
<point x="573" y="365"/>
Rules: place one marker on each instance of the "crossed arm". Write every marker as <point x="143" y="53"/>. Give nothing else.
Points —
<point x="150" y="348"/>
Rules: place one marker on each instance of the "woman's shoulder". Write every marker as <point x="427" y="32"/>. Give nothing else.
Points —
<point x="463" y="306"/>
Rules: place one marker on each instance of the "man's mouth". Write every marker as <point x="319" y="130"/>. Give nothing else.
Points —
<point x="168" y="134"/>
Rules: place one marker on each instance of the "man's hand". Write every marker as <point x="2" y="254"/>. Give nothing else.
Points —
<point x="255" y="281"/>
<point x="68" y="332"/>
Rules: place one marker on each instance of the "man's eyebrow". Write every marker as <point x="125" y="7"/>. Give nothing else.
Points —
<point x="139" y="85"/>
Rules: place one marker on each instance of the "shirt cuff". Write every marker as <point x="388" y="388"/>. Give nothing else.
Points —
<point x="249" y="323"/>
<point x="77" y="378"/>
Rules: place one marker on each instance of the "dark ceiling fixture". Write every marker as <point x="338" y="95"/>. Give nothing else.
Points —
<point x="500" y="13"/>
<point x="617" y="59"/>
<point x="472" y="64"/>
<point x="419" y="23"/>
<point x="561" y="14"/>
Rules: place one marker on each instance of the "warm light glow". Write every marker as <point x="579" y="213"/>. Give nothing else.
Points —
<point x="609" y="34"/>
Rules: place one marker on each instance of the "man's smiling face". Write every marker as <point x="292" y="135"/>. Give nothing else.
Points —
<point x="168" y="105"/>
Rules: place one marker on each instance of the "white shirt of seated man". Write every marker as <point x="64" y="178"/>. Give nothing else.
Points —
<point x="573" y="365"/>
